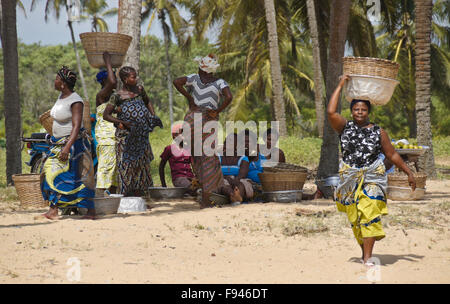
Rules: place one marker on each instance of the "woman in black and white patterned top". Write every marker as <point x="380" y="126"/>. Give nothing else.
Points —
<point x="361" y="192"/>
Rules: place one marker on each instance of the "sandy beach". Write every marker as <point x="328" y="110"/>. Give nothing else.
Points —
<point x="176" y="242"/>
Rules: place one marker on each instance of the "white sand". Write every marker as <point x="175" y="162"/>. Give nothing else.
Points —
<point x="176" y="242"/>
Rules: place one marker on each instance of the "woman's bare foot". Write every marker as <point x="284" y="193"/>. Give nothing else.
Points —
<point x="90" y="215"/>
<point x="236" y="196"/>
<point x="52" y="213"/>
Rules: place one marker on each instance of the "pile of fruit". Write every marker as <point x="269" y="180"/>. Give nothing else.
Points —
<point x="408" y="146"/>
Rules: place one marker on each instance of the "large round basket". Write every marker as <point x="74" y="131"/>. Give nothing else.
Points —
<point x="28" y="187"/>
<point x="96" y="43"/>
<point x="280" y="181"/>
<point x="47" y="122"/>
<point x="370" y="67"/>
<point x="283" y="167"/>
<point x="401" y="180"/>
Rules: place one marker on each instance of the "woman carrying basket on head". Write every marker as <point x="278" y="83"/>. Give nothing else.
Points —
<point x="203" y="93"/>
<point x="361" y="192"/>
<point x="68" y="170"/>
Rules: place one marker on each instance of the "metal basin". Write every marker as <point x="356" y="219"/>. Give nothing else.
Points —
<point x="167" y="193"/>
<point x="219" y="199"/>
<point x="103" y="205"/>
<point x="404" y="193"/>
<point x="327" y="185"/>
<point x="287" y="196"/>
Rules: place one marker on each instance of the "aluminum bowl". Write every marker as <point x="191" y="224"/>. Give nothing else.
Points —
<point x="167" y="193"/>
<point x="219" y="199"/>
<point x="103" y="205"/>
<point x="287" y="196"/>
<point x="404" y="193"/>
<point x="327" y="185"/>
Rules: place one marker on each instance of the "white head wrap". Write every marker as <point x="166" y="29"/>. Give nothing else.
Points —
<point x="208" y="64"/>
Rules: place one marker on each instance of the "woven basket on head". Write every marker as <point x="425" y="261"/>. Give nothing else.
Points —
<point x="401" y="180"/>
<point x="96" y="43"/>
<point x="370" y="67"/>
<point x="280" y="181"/>
<point x="47" y="122"/>
<point x="28" y="187"/>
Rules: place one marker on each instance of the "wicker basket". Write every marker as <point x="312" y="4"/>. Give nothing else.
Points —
<point x="370" y="67"/>
<point x="47" y="122"/>
<point x="401" y="180"/>
<point x="283" y="167"/>
<point x="280" y="181"/>
<point x="28" y="187"/>
<point x="96" y="43"/>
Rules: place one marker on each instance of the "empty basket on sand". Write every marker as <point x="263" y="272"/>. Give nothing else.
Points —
<point x="96" y="43"/>
<point x="28" y="187"/>
<point x="282" y="180"/>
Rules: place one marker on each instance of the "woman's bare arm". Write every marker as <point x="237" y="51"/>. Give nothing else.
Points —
<point x="337" y="122"/>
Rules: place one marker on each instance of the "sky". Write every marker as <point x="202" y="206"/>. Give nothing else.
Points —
<point x="34" y="29"/>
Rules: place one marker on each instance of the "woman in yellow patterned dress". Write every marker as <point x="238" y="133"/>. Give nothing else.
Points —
<point x="361" y="192"/>
<point x="105" y="132"/>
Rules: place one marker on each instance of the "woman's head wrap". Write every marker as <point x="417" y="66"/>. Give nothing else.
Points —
<point x="68" y="76"/>
<point x="355" y="101"/>
<point x="102" y="75"/>
<point x="125" y="71"/>
<point x="177" y="127"/>
<point x="207" y="64"/>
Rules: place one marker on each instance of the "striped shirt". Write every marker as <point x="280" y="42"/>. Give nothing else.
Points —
<point x="205" y="95"/>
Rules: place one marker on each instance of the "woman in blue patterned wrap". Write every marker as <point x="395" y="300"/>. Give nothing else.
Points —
<point x="135" y="120"/>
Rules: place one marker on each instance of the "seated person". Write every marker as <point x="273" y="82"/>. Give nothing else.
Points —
<point x="270" y="152"/>
<point x="179" y="161"/>
<point x="234" y="169"/>
<point x="252" y="150"/>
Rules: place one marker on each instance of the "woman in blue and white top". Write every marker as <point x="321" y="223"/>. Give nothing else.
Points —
<point x="204" y="92"/>
<point x="235" y="169"/>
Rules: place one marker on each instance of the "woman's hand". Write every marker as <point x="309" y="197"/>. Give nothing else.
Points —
<point x="412" y="181"/>
<point x="343" y="78"/>
<point x="213" y="113"/>
<point x="64" y="154"/>
<point x="125" y="125"/>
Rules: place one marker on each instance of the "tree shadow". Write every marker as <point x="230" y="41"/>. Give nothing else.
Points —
<point x="390" y="259"/>
<point x="18" y="225"/>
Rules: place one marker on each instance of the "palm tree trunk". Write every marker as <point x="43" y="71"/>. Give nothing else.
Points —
<point x="275" y="67"/>
<point x="169" y="75"/>
<point x="13" y="122"/>
<point x="339" y="17"/>
<point x="80" y="71"/>
<point x="423" y="83"/>
<point x="318" y="100"/>
<point x="129" y="23"/>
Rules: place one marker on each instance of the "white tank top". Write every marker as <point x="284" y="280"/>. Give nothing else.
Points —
<point x="62" y="115"/>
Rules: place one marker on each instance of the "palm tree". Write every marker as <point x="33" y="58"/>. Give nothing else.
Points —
<point x="57" y="5"/>
<point x="318" y="88"/>
<point x="13" y="122"/>
<point x="129" y="23"/>
<point x="423" y="12"/>
<point x="339" y="18"/>
<point x="275" y="67"/>
<point x="20" y="5"/>
<point x="179" y="26"/>
<point x="96" y="10"/>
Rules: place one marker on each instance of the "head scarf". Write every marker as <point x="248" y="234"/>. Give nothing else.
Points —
<point x="355" y="101"/>
<point x="69" y="77"/>
<point x="177" y="127"/>
<point x="102" y="75"/>
<point x="208" y="64"/>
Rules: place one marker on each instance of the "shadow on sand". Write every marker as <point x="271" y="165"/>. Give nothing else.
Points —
<point x="390" y="259"/>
